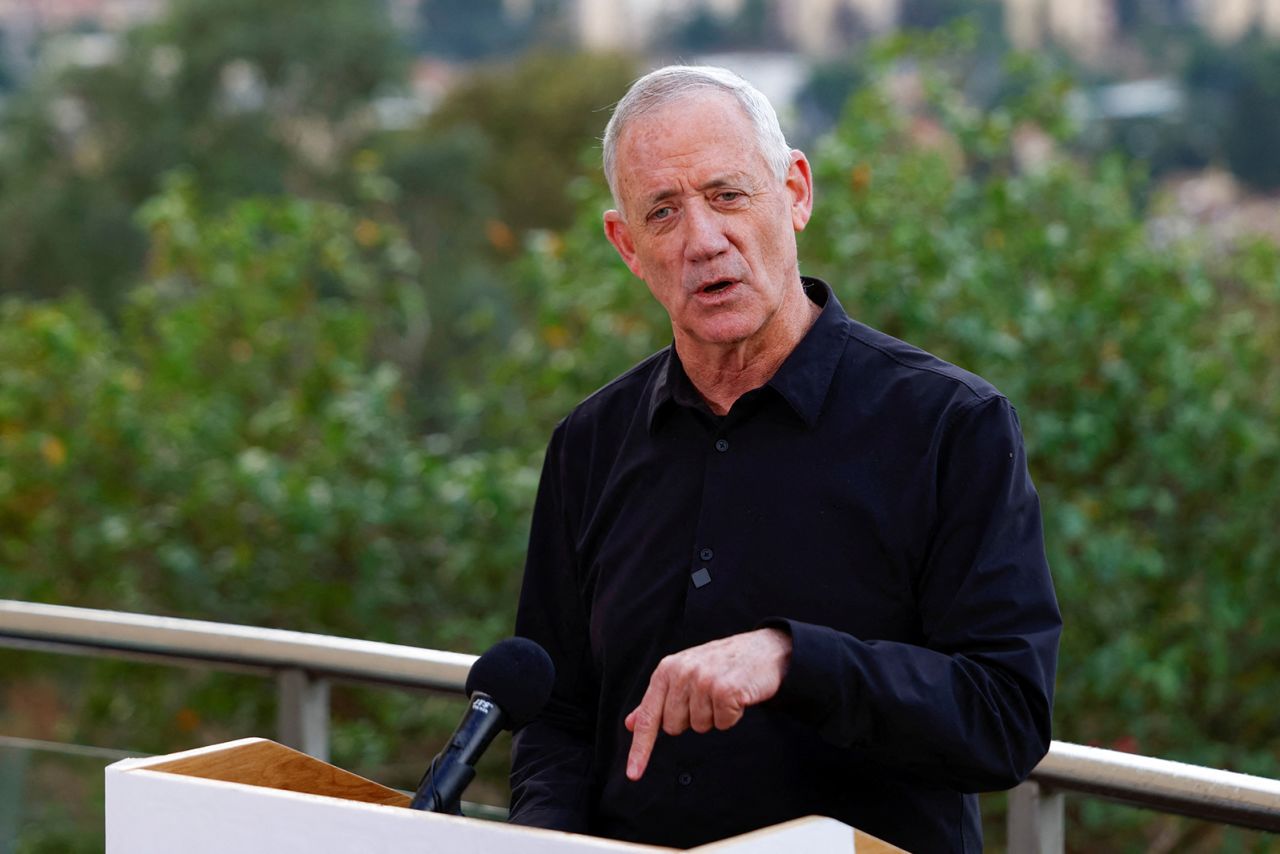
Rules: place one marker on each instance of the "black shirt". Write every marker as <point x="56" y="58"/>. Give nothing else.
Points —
<point x="871" y="499"/>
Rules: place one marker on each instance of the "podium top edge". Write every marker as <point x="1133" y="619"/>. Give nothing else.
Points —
<point x="144" y="762"/>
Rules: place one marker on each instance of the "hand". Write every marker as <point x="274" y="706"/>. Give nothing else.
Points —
<point x="705" y="686"/>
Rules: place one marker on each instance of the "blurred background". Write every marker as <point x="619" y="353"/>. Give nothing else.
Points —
<point x="292" y="294"/>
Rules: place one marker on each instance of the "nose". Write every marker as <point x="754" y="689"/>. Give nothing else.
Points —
<point x="704" y="233"/>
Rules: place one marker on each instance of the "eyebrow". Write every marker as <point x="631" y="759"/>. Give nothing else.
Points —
<point x="723" y="180"/>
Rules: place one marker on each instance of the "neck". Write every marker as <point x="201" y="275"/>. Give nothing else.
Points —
<point x="722" y="373"/>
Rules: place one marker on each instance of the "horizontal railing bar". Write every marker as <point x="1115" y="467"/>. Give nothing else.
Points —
<point x="80" y="751"/>
<point x="84" y="751"/>
<point x="233" y="644"/>
<point x="1161" y="784"/>
<point x="1175" y="787"/>
<point x="85" y="649"/>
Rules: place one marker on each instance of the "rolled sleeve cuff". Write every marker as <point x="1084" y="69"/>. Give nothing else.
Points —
<point x="817" y="687"/>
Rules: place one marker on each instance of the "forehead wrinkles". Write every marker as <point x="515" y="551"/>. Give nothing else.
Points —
<point x="688" y="146"/>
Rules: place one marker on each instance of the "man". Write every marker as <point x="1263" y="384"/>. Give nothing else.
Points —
<point x="789" y="565"/>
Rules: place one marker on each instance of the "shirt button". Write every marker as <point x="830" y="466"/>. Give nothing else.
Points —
<point x="685" y="778"/>
<point x="722" y="445"/>
<point x="706" y="554"/>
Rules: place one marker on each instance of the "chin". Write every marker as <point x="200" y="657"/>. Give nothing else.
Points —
<point x="733" y="331"/>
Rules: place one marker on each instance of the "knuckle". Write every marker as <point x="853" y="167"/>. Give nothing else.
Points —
<point x="727" y="716"/>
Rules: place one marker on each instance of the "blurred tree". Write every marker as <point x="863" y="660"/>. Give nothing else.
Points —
<point x="931" y="14"/>
<point x="482" y="29"/>
<point x="754" y="26"/>
<point x="1236" y="88"/>
<point x="702" y="29"/>
<point x="536" y="117"/>
<point x="252" y="97"/>
<point x="239" y="448"/>
<point x="1230" y="115"/>
<point x="1132" y="17"/>
<point x="6" y="62"/>
<point x="968" y="33"/>
<point x="467" y="29"/>
<point x="821" y="99"/>
<point x="498" y="158"/>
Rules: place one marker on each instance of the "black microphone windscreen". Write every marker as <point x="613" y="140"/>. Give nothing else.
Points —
<point x="518" y="675"/>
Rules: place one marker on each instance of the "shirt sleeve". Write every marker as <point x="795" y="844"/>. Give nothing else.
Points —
<point x="970" y="706"/>
<point x="552" y="756"/>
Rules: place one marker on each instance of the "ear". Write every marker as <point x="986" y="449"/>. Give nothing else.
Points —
<point x="800" y="185"/>
<point x="615" y="228"/>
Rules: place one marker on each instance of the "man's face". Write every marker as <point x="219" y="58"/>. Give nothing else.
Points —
<point x="705" y="222"/>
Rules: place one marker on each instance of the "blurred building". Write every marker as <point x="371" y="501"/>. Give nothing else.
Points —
<point x="1088" y="28"/>
<point x="1229" y="20"/>
<point x="24" y="22"/>
<point x="611" y="25"/>
<point x="826" y="27"/>
<point x="816" y="27"/>
<point x="1085" y="28"/>
<point x="61" y="14"/>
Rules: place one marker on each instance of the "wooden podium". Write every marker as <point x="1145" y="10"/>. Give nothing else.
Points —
<point x="254" y="796"/>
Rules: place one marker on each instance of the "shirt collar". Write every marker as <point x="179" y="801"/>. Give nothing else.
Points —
<point x="803" y="378"/>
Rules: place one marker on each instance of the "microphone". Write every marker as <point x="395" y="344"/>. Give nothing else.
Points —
<point x="508" y="686"/>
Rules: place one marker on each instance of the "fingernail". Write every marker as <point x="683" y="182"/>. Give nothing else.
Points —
<point x="631" y="770"/>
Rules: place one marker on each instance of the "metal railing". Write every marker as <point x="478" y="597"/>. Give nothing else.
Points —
<point x="303" y="664"/>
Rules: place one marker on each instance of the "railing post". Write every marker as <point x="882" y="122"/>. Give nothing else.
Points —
<point x="302" y="712"/>
<point x="1036" y="820"/>
<point x="13" y="772"/>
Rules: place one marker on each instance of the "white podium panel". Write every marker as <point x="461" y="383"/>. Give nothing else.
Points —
<point x="254" y="796"/>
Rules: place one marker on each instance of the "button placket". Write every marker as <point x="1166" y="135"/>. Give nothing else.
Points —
<point x="701" y="576"/>
<point x="703" y="598"/>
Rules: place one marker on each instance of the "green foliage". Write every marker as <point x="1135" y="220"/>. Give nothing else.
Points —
<point x="1240" y="85"/>
<point x="1230" y="115"/>
<point x="497" y="159"/>
<point x="931" y="14"/>
<point x="536" y="116"/>
<point x="821" y="99"/>
<point x="590" y="320"/>
<point x="479" y="29"/>
<point x="240" y="449"/>
<point x="251" y="97"/>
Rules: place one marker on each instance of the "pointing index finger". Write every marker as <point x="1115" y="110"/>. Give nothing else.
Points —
<point x="644" y="723"/>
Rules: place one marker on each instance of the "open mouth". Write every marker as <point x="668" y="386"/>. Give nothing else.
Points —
<point x="716" y="287"/>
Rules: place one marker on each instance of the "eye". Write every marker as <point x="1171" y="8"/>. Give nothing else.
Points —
<point x="730" y="197"/>
<point x="661" y="213"/>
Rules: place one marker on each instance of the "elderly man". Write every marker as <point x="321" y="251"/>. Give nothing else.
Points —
<point x="788" y="565"/>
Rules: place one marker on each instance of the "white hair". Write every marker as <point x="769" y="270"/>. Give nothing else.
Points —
<point x="673" y="82"/>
